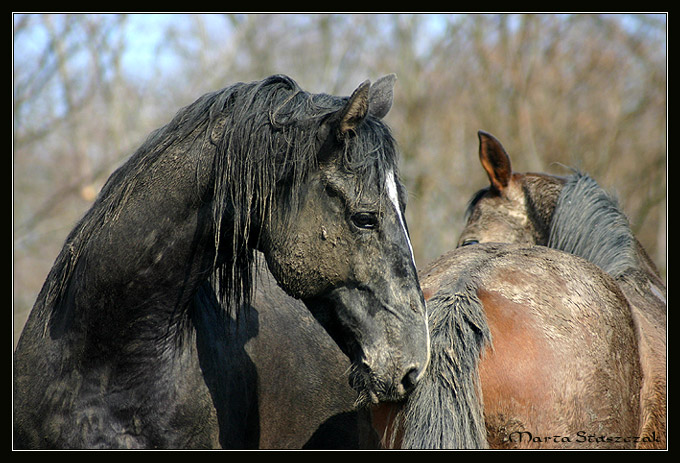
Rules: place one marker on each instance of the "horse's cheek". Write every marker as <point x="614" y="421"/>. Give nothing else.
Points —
<point x="310" y="261"/>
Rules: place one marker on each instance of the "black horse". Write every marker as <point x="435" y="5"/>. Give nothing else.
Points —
<point x="116" y="351"/>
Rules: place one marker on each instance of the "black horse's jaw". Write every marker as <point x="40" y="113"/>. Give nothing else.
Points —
<point x="371" y="387"/>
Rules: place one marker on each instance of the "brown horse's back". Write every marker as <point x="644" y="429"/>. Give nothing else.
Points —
<point x="563" y="369"/>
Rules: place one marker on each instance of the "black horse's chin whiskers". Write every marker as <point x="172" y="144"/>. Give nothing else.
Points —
<point x="371" y="388"/>
<point x="360" y="380"/>
<point x="393" y="311"/>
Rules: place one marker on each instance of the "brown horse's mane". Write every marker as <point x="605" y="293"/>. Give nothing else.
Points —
<point x="588" y="222"/>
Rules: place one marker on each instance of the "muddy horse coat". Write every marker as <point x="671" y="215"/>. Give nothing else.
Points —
<point x="574" y="214"/>
<point x="114" y="352"/>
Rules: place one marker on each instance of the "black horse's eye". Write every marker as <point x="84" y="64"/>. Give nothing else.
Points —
<point x="469" y="241"/>
<point x="365" y="220"/>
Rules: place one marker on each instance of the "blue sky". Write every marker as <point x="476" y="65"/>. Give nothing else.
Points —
<point x="144" y="34"/>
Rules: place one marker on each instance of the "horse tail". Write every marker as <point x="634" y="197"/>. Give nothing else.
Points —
<point x="445" y="411"/>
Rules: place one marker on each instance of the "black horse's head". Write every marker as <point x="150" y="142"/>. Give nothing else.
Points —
<point x="342" y="246"/>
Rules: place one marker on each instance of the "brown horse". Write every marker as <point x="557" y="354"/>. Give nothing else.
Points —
<point x="574" y="214"/>
<point x="530" y="348"/>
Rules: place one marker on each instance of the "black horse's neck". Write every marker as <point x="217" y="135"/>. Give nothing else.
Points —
<point x="181" y="210"/>
<point x="140" y="251"/>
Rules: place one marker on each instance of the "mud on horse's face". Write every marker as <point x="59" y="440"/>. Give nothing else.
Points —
<point x="347" y="252"/>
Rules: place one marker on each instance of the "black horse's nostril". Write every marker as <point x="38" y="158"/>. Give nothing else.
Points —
<point x="410" y="379"/>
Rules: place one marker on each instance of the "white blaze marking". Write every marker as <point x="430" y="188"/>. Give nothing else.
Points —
<point x="394" y="197"/>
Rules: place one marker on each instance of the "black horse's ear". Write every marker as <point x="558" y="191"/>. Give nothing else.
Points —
<point x="495" y="161"/>
<point x="356" y="109"/>
<point x="381" y="96"/>
<point x="367" y="99"/>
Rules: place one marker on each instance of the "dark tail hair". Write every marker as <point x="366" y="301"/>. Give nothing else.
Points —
<point x="445" y="411"/>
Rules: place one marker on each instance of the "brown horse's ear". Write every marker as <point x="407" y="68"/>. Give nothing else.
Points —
<point x="495" y="161"/>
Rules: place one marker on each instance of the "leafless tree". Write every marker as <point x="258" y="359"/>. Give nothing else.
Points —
<point x="584" y="91"/>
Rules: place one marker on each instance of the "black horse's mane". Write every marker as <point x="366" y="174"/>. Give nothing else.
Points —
<point x="260" y="141"/>
<point x="589" y="223"/>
